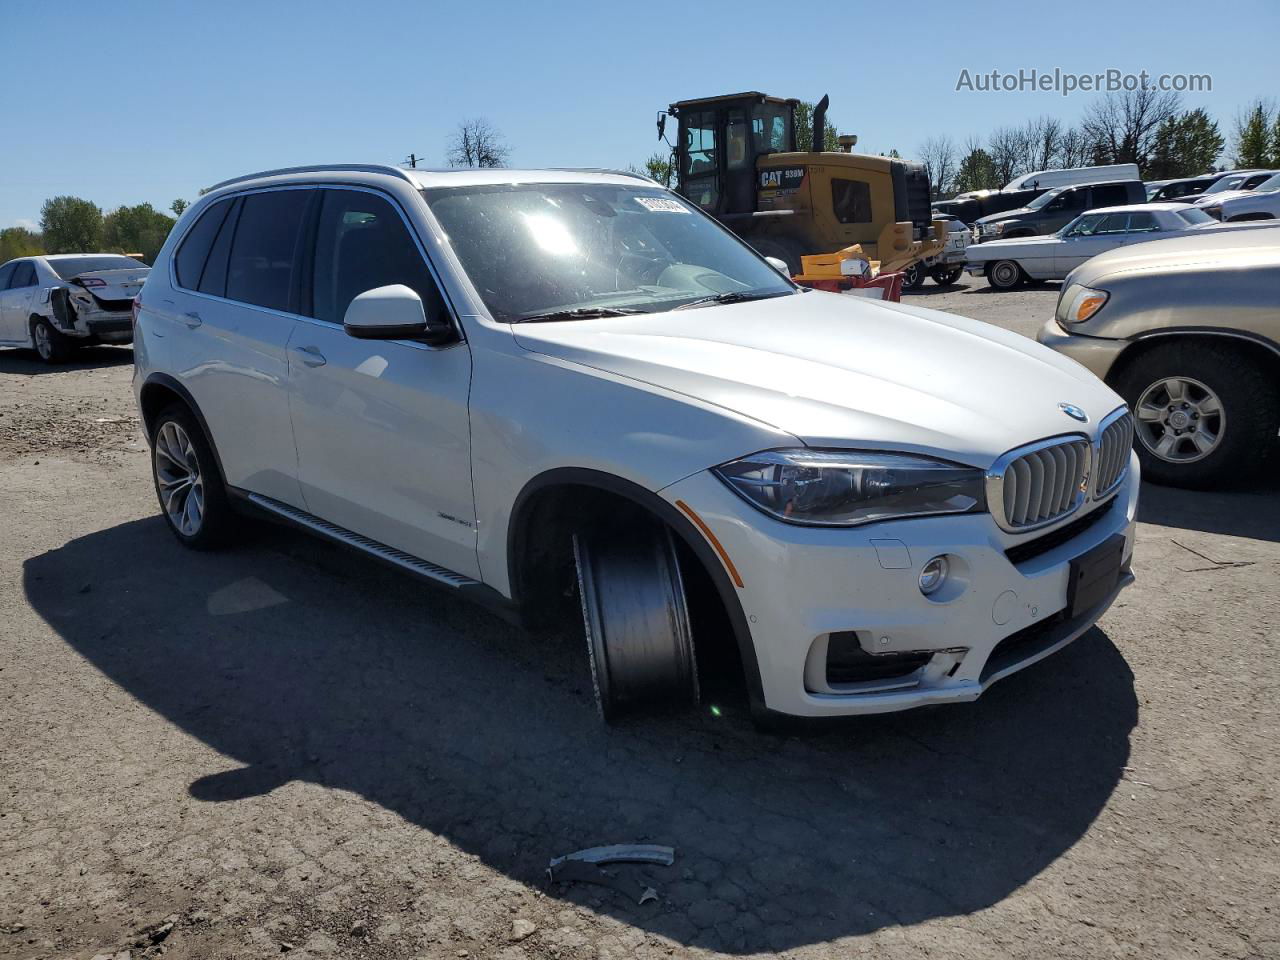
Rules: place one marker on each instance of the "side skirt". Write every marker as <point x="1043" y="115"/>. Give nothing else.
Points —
<point x="457" y="583"/>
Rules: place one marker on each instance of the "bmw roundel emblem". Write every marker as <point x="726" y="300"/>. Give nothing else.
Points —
<point x="1074" y="412"/>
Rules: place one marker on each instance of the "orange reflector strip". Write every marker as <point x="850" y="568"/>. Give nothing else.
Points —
<point x="706" y="531"/>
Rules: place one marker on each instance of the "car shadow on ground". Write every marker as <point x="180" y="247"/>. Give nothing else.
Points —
<point x="1253" y="513"/>
<point x="303" y="662"/>
<point x="27" y="363"/>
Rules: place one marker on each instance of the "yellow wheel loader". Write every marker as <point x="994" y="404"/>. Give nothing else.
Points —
<point x="736" y="158"/>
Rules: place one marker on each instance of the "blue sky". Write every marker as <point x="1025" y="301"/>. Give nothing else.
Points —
<point x="196" y="93"/>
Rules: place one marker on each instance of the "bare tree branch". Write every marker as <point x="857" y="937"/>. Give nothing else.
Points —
<point x="477" y="143"/>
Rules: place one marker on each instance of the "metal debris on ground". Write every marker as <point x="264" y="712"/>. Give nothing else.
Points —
<point x="585" y="866"/>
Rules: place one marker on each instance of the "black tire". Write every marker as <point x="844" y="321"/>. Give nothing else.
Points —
<point x="1005" y="274"/>
<point x="913" y="277"/>
<point x="636" y="620"/>
<point x="50" y="345"/>
<point x="946" y="276"/>
<point x="1245" y="430"/>
<point x="780" y="247"/>
<point x="217" y="521"/>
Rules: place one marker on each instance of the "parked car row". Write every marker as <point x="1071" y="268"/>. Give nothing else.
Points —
<point x="1008" y="263"/>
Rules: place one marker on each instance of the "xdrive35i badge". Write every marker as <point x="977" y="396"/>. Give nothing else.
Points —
<point x="1074" y="412"/>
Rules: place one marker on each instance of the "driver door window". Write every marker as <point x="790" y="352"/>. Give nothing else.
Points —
<point x="361" y="244"/>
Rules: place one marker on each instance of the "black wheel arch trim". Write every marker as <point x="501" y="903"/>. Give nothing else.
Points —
<point x="175" y="386"/>
<point x="677" y="521"/>
<point x="1255" y="338"/>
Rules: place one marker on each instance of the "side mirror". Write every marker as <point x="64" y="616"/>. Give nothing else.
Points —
<point x="662" y="125"/>
<point x="393" y="312"/>
<point x="780" y="266"/>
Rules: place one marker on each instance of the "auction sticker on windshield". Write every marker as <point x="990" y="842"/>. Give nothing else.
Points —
<point x="661" y="205"/>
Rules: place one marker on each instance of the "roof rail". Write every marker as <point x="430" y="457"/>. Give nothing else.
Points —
<point x="616" y="173"/>
<point x="318" y="168"/>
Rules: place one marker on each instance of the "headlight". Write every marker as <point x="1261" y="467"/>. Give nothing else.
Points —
<point x="1079" y="303"/>
<point x="842" y="488"/>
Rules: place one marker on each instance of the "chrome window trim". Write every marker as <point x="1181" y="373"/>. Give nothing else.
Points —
<point x="996" y="473"/>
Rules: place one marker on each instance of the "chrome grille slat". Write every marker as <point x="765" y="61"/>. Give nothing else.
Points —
<point x="1114" y="444"/>
<point x="1039" y="484"/>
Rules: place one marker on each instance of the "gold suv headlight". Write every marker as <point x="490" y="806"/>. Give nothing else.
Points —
<point x="1079" y="303"/>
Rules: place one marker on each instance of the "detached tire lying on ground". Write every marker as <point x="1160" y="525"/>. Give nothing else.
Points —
<point x="636" y="619"/>
<point x="188" y="484"/>
<point x="946" y="276"/>
<point x="1204" y="415"/>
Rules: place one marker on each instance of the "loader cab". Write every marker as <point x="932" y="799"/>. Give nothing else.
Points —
<point x="719" y="140"/>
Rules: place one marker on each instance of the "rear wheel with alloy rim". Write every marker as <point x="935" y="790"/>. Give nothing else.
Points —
<point x="188" y="485"/>
<point x="1204" y="416"/>
<point x="51" y="346"/>
<point x="1004" y="274"/>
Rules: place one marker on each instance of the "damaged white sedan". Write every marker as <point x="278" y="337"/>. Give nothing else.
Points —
<point x="57" y="302"/>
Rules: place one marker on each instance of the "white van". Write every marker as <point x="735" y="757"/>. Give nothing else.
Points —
<point x="1048" y="179"/>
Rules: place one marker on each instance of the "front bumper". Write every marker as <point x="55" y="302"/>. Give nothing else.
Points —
<point x="976" y="268"/>
<point x="1095" y="354"/>
<point x="802" y="585"/>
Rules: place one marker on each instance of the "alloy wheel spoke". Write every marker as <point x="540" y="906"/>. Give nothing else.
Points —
<point x="1209" y="406"/>
<point x="1176" y="389"/>
<point x="1148" y="413"/>
<point x="1204" y="441"/>
<point x="1165" y="447"/>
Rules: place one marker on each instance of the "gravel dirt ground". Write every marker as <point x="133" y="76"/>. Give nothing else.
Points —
<point x="285" y="748"/>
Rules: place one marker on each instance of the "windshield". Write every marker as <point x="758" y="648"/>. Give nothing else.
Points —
<point x="546" y="248"/>
<point x="1195" y="216"/>
<point x="68" y="267"/>
<point x="1043" y="199"/>
<point x="1228" y="183"/>
<point x="1268" y="185"/>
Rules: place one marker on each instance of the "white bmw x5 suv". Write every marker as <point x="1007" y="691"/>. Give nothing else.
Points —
<point x="526" y="385"/>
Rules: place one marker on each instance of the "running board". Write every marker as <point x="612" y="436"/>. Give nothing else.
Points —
<point x="399" y="558"/>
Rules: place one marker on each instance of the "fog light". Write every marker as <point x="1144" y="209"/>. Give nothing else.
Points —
<point x="934" y="575"/>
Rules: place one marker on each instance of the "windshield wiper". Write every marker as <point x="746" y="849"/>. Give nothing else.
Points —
<point x="579" y="313"/>
<point x="730" y="297"/>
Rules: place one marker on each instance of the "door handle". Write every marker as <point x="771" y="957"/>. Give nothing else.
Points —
<point x="311" y="356"/>
<point x="192" y="319"/>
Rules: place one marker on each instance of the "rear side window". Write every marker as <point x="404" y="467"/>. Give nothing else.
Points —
<point x="24" y="275"/>
<point x="190" y="259"/>
<point x="361" y="244"/>
<point x="1142" y="223"/>
<point x="1072" y="200"/>
<point x="1111" y="195"/>
<point x="1113" y="223"/>
<point x="213" y="280"/>
<point x="264" y="250"/>
<point x="5" y="273"/>
<point x="852" y="201"/>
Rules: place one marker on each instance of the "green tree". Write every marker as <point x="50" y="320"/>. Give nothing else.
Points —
<point x="661" y="167"/>
<point x="1253" y="136"/>
<point x="1275" y="141"/>
<point x="71" y="225"/>
<point x="178" y="206"/>
<point x="804" y="130"/>
<point x="138" y="229"/>
<point x="1184" y="146"/>
<point x="977" y="172"/>
<point x="19" y="242"/>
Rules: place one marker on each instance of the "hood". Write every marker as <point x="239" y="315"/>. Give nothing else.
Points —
<point x="995" y="249"/>
<point x="1199" y="251"/>
<point x="1208" y="199"/>
<point x="843" y="371"/>
<point x="1006" y="215"/>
